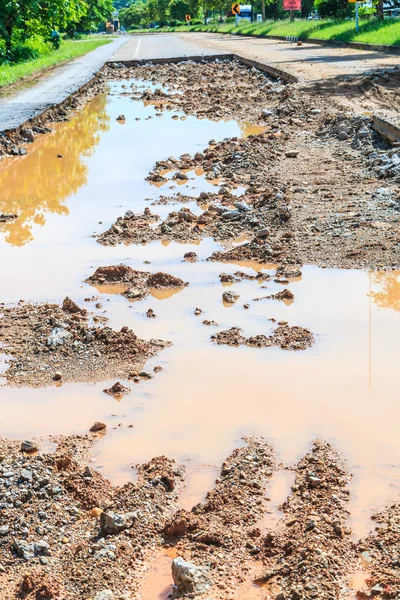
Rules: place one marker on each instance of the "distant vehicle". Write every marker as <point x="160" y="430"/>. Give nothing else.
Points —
<point x="245" y="12"/>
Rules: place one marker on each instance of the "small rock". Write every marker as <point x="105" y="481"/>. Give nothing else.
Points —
<point x="189" y="578"/>
<point x="28" y="446"/>
<point x="121" y="118"/>
<point x="98" y="426"/>
<point x="26" y="475"/>
<point x="230" y="296"/>
<point x="104" y="595"/>
<point x="57" y="376"/>
<point x="24" y="550"/>
<point x="58" y="337"/>
<point x="4" y="530"/>
<point x="112" y="523"/>
<point x="291" y="153"/>
<point x="343" y="136"/>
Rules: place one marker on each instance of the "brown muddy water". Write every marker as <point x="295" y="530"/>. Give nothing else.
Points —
<point x="207" y="397"/>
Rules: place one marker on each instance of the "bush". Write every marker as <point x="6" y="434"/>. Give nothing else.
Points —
<point x="133" y="27"/>
<point x="230" y="20"/>
<point x="20" y="53"/>
<point x="176" y="23"/>
<point x="197" y="22"/>
<point x="212" y="22"/>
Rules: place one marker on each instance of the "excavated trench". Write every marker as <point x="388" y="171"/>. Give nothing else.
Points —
<point x="70" y="188"/>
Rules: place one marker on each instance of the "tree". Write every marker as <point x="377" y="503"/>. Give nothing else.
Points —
<point x="178" y="9"/>
<point x="27" y="17"/>
<point x="135" y="14"/>
<point x="96" y="12"/>
<point x="331" y="8"/>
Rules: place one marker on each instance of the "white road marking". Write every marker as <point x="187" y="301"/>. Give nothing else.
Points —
<point x="137" y="49"/>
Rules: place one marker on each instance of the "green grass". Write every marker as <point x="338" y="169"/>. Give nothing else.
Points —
<point x="371" y="31"/>
<point x="11" y="73"/>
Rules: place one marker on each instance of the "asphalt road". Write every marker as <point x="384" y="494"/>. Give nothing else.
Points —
<point x="160" y="45"/>
<point x="55" y="88"/>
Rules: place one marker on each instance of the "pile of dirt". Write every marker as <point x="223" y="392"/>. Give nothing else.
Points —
<point x="130" y="228"/>
<point x="138" y="283"/>
<point x="380" y="554"/>
<point x="285" y="336"/>
<point x="310" y="555"/>
<point x="46" y="343"/>
<point x="219" y="534"/>
<point x="67" y="533"/>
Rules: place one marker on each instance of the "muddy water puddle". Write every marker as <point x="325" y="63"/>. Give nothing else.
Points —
<point x="207" y="397"/>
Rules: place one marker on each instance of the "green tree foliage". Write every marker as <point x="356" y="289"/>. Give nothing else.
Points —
<point x="332" y="8"/>
<point x="134" y="15"/>
<point x="178" y="9"/>
<point x="22" y="19"/>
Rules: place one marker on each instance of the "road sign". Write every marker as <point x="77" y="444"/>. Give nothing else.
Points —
<point x="236" y="8"/>
<point x="187" y="18"/>
<point x="291" y="4"/>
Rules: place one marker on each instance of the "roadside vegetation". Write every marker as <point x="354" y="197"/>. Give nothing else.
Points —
<point x="36" y="35"/>
<point x="371" y="31"/>
<point x="11" y="72"/>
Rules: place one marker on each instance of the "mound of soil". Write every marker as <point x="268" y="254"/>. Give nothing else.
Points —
<point x="138" y="283"/>
<point x="45" y="343"/>
<point x="285" y="336"/>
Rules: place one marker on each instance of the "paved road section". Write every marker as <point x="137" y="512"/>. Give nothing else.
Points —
<point x="309" y="62"/>
<point x="55" y="88"/>
<point x="151" y="46"/>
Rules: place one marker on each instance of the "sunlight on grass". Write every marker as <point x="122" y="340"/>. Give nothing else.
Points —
<point x="69" y="50"/>
<point x="371" y="31"/>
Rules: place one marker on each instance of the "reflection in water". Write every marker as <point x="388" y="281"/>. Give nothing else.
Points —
<point x="40" y="182"/>
<point x="388" y="293"/>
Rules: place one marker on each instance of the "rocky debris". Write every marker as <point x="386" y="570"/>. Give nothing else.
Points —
<point x="52" y="547"/>
<point x="282" y="295"/>
<point x="218" y="532"/>
<point x="379" y="551"/>
<point x="138" y="283"/>
<point x="44" y="342"/>
<point x="190" y="579"/>
<point x="210" y="323"/>
<point x="230" y="296"/>
<point x="212" y="89"/>
<point x="117" y="390"/>
<point x="311" y="553"/>
<point x="285" y="336"/>
<point x="129" y="229"/>
<point x="190" y="256"/>
<point x="98" y="426"/>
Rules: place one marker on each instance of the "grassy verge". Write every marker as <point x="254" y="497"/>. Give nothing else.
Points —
<point x="11" y="73"/>
<point x="371" y="31"/>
